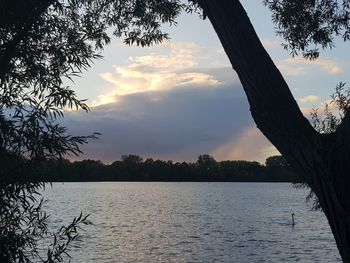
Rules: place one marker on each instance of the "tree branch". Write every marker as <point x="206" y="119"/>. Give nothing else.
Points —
<point x="273" y="107"/>
<point x="21" y="17"/>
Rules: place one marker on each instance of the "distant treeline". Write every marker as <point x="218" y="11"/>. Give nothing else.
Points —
<point x="206" y="168"/>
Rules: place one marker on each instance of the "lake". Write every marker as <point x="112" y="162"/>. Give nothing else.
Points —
<point x="192" y="222"/>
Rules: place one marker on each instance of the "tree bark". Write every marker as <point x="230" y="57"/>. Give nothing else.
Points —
<point x="321" y="159"/>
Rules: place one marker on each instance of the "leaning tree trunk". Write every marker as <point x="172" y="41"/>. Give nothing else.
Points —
<point x="321" y="159"/>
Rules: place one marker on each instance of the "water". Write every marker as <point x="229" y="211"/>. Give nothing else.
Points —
<point x="193" y="222"/>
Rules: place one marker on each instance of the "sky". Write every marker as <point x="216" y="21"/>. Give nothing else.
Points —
<point x="180" y="99"/>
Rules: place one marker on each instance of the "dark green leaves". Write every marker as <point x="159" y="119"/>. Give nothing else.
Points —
<point x="309" y="25"/>
<point x="24" y="235"/>
<point x="55" y="41"/>
<point x="43" y="45"/>
<point x="333" y="112"/>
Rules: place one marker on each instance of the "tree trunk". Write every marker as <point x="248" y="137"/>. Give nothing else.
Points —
<point x="320" y="159"/>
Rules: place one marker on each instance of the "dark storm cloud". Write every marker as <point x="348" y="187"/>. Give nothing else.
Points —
<point x="177" y="124"/>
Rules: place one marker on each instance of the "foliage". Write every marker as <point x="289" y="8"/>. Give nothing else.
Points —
<point x="207" y="166"/>
<point x="277" y="161"/>
<point x="23" y="227"/>
<point x="44" y="45"/>
<point x="307" y="25"/>
<point x="38" y="50"/>
<point x="311" y="196"/>
<point x="53" y="43"/>
<point x="134" y="168"/>
<point x="28" y="135"/>
<point x="327" y="122"/>
<point x="25" y="142"/>
<point x="333" y="112"/>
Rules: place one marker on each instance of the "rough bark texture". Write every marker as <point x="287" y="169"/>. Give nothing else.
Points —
<point x="321" y="159"/>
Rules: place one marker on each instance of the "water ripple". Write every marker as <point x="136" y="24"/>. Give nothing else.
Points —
<point x="192" y="222"/>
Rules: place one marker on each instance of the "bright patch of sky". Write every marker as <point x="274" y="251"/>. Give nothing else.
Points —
<point x="181" y="99"/>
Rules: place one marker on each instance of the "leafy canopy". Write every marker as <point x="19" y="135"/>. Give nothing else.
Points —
<point x="307" y="25"/>
<point x="44" y="45"/>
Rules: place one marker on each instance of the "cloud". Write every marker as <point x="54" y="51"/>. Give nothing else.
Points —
<point x="308" y="99"/>
<point x="176" y="67"/>
<point x="309" y="104"/>
<point x="179" y="125"/>
<point x="270" y="43"/>
<point x="250" y="144"/>
<point x="328" y="65"/>
<point x="290" y="70"/>
<point x="299" y="66"/>
<point x="220" y="51"/>
<point x="170" y="105"/>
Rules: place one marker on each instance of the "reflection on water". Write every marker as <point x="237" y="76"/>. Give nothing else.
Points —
<point x="193" y="222"/>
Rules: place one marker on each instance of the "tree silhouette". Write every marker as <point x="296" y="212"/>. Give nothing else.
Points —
<point x="276" y="161"/>
<point x="309" y="25"/>
<point x="34" y="59"/>
<point x="133" y="168"/>
<point x="207" y="166"/>
<point x="322" y="159"/>
<point x="63" y="38"/>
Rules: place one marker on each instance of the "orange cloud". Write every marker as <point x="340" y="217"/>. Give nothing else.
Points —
<point x="173" y="69"/>
<point x="270" y="43"/>
<point x="298" y="66"/>
<point x="308" y="99"/>
<point x="250" y="145"/>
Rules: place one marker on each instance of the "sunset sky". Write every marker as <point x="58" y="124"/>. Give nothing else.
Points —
<point x="181" y="99"/>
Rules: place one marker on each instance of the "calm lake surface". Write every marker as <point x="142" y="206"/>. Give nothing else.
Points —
<point x="192" y="222"/>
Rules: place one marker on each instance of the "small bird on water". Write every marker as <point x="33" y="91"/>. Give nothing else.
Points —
<point x="293" y="223"/>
